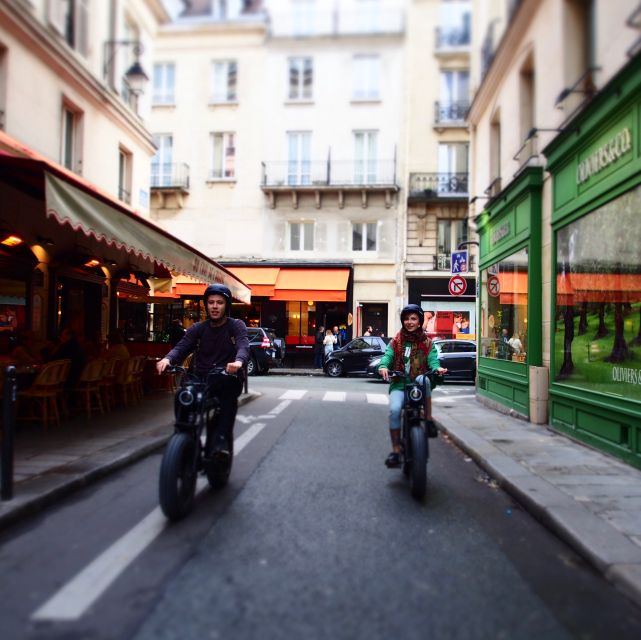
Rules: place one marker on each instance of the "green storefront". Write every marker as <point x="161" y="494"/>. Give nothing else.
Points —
<point x="595" y="314"/>
<point x="510" y="296"/>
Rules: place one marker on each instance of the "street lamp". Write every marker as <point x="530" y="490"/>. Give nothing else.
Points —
<point x="135" y="76"/>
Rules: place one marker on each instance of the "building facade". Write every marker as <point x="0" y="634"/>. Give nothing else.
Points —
<point x="555" y="123"/>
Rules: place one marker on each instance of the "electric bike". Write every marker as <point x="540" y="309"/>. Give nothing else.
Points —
<point x="195" y="407"/>
<point x="416" y="431"/>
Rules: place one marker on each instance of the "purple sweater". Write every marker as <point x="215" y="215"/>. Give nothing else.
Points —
<point x="218" y="345"/>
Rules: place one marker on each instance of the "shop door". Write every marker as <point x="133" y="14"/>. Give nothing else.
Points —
<point x="79" y="306"/>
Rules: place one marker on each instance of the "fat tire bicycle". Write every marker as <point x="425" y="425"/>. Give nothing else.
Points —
<point x="195" y="407"/>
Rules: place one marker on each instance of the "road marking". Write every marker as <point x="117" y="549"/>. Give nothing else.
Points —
<point x="293" y="394"/>
<point x="334" y="396"/>
<point x="73" y="599"/>
<point x="279" y="407"/>
<point x="377" y="398"/>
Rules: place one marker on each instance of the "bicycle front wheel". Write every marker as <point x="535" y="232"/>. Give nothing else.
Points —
<point x="418" y="471"/>
<point x="178" y="472"/>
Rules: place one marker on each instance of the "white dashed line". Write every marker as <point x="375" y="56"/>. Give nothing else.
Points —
<point x="334" y="396"/>
<point x="377" y="398"/>
<point x="293" y="394"/>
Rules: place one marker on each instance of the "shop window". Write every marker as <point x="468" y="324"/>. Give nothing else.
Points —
<point x="504" y="308"/>
<point x="597" y="321"/>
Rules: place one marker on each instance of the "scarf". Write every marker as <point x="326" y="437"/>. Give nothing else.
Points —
<point x="420" y="347"/>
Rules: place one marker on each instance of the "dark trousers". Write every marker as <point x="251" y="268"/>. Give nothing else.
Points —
<point x="227" y="389"/>
<point x="319" y="355"/>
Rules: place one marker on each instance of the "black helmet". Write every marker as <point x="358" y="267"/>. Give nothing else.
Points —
<point x="219" y="290"/>
<point x="413" y="308"/>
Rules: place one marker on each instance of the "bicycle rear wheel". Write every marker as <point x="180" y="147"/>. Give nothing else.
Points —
<point x="418" y="470"/>
<point x="177" y="482"/>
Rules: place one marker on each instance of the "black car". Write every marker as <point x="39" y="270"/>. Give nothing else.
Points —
<point x="457" y="356"/>
<point x="354" y="357"/>
<point x="266" y="350"/>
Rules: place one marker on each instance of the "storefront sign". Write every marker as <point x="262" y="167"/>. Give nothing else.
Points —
<point x="626" y="374"/>
<point x="604" y="156"/>
<point x="500" y="232"/>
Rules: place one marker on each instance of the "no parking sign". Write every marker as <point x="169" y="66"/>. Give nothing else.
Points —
<point x="457" y="285"/>
<point x="493" y="286"/>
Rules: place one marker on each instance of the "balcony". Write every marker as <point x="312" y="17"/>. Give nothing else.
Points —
<point x="314" y="23"/>
<point x="426" y="187"/>
<point x="452" y="39"/>
<point x="330" y="176"/>
<point x="451" y="114"/>
<point x="169" y="183"/>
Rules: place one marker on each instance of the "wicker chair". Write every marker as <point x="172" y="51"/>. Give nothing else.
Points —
<point x="108" y="383"/>
<point x="40" y="401"/>
<point x="87" y="394"/>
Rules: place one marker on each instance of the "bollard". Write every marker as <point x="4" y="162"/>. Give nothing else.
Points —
<point x="8" y="427"/>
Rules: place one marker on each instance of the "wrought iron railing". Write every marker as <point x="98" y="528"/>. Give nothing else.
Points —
<point x="452" y="37"/>
<point x="439" y="184"/>
<point x="170" y="176"/>
<point x="453" y="112"/>
<point x="327" y="173"/>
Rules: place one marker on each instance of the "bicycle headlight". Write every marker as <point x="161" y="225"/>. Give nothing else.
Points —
<point x="186" y="397"/>
<point x="415" y="394"/>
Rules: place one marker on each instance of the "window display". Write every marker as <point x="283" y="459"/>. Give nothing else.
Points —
<point x="504" y="308"/>
<point x="597" y="322"/>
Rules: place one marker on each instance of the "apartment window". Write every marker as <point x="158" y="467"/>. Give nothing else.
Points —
<point x="70" y="18"/>
<point x="527" y="110"/>
<point x="369" y="15"/>
<point x="450" y="233"/>
<point x="455" y="24"/>
<point x="299" y="164"/>
<point x="454" y="96"/>
<point x="125" y="164"/>
<point x="364" y="236"/>
<point x="71" y="138"/>
<point x="452" y="167"/>
<point x="366" y="77"/>
<point x="301" y="236"/>
<point x="301" y="78"/>
<point x="224" y="155"/>
<point x="495" y="154"/>
<point x="161" y="163"/>
<point x="303" y="17"/>
<point x="224" y="81"/>
<point x="164" y="80"/>
<point x="3" y="87"/>
<point x="365" y="156"/>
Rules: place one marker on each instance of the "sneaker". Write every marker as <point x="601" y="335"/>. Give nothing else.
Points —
<point x="393" y="460"/>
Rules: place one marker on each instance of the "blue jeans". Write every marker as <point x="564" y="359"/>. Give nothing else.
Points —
<point x="396" y="399"/>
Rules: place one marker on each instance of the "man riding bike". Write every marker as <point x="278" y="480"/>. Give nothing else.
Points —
<point x="412" y="351"/>
<point x="218" y="341"/>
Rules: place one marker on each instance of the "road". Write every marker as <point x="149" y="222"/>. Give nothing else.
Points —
<point x="313" y="538"/>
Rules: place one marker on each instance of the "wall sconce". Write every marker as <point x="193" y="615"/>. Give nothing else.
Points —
<point x="109" y="263"/>
<point x="310" y="303"/>
<point x="91" y="263"/>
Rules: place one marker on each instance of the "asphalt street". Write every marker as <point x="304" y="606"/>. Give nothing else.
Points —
<point x="314" y="538"/>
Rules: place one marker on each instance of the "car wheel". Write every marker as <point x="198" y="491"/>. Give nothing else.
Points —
<point x="252" y="368"/>
<point x="334" y="369"/>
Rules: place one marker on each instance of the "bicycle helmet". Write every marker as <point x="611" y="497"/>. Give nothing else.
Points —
<point x="413" y="308"/>
<point x="219" y="290"/>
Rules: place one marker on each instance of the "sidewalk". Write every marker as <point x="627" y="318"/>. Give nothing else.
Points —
<point x="589" y="499"/>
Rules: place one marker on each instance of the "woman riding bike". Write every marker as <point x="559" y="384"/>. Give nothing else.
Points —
<point x="410" y="350"/>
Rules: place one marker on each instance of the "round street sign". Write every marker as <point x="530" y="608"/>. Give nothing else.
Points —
<point x="493" y="286"/>
<point x="457" y="285"/>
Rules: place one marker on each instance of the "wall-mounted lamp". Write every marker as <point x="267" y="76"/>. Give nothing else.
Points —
<point x="135" y="76"/>
<point x="91" y="263"/>
<point x="588" y="90"/>
<point x="109" y="263"/>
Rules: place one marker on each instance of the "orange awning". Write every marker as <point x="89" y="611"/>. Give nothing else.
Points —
<point x="598" y="287"/>
<point x="260" y="280"/>
<point x="319" y="285"/>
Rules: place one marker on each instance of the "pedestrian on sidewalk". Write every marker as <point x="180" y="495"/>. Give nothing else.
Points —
<point x="329" y="341"/>
<point x="318" y="347"/>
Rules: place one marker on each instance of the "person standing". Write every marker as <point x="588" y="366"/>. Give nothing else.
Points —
<point x="337" y="338"/>
<point x="329" y="342"/>
<point x="319" y="347"/>
<point x="369" y="331"/>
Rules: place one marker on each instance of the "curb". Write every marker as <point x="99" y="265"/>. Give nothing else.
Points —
<point x="607" y="550"/>
<point x="66" y="483"/>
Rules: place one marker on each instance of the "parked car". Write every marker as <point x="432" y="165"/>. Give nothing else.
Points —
<point x="355" y="356"/>
<point x="457" y="356"/>
<point x="266" y="350"/>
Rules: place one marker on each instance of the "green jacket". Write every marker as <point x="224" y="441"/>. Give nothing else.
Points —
<point x="387" y="362"/>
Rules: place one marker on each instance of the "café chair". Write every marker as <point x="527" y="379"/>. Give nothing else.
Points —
<point x="40" y="400"/>
<point x="125" y="382"/>
<point x="108" y="383"/>
<point x="87" y="393"/>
